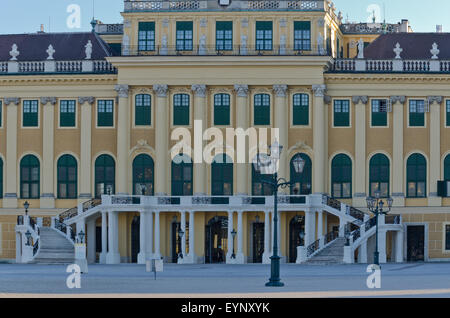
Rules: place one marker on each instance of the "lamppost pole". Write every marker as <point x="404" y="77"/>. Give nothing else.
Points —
<point x="377" y="254"/>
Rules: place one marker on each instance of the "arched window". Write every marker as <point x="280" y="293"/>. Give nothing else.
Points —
<point x="105" y="175"/>
<point x="67" y="177"/>
<point x="302" y="180"/>
<point x="416" y="176"/>
<point x="143" y="176"/>
<point x="341" y="177"/>
<point x="447" y="168"/>
<point x="258" y="186"/>
<point x="182" y="175"/>
<point x="261" y="110"/>
<point x="222" y="175"/>
<point x="1" y="177"/>
<point x="29" y="177"/>
<point x="143" y="111"/>
<point x="181" y="109"/>
<point x="379" y="175"/>
<point x="300" y="110"/>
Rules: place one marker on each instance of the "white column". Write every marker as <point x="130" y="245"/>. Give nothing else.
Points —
<point x="399" y="247"/>
<point x="382" y="246"/>
<point x="435" y="149"/>
<point x="240" y="234"/>
<point x="281" y="120"/>
<point x="363" y="252"/>
<point x="320" y="228"/>
<point x="113" y="256"/>
<point x="104" y="238"/>
<point x="157" y="236"/>
<point x="86" y="104"/>
<point x="199" y="114"/>
<point x="319" y="130"/>
<point x="230" y="238"/>
<point x="161" y="139"/>
<point x="47" y="196"/>
<point x="398" y="192"/>
<point x="123" y="139"/>
<point x="242" y="111"/>
<point x="91" y="241"/>
<point x="267" y="252"/>
<point x="359" y="103"/>
<point x="142" y="237"/>
<point x="149" y="236"/>
<point x="11" y="165"/>
<point x="309" y="227"/>
<point x="191" y="258"/>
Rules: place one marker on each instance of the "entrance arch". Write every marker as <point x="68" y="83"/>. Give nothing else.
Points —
<point x="216" y="240"/>
<point x="296" y="226"/>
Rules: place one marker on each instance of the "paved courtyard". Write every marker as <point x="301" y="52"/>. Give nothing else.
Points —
<point x="129" y="280"/>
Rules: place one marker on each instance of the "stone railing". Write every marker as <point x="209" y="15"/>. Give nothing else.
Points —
<point x="109" y="28"/>
<point x="62" y="67"/>
<point x="234" y="5"/>
<point x="389" y="66"/>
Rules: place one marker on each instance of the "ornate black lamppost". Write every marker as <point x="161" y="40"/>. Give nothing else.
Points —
<point x="376" y="205"/>
<point x="233" y="234"/>
<point x="28" y="236"/>
<point x="26" y="205"/>
<point x="269" y="167"/>
<point x="81" y="236"/>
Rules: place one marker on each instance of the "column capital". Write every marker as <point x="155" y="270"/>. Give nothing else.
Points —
<point x="86" y="99"/>
<point x="48" y="100"/>
<point x="434" y="99"/>
<point x="241" y="90"/>
<point x="280" y="90"/>
<point x="122" y="90"/>
<point x="360" y="99"/>
<point x="161" y="90"/>
<point x="327" y="99"/>
<point x="199" y="90"/>
<point x="13" y="100"/>
<point x="398" y="99"/>
<point x="319" y="90"/>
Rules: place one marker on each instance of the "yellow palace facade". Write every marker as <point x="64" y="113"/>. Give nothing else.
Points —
<point x="87" y="119"/>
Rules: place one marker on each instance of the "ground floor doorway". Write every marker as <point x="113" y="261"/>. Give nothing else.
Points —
<point x="415" y="243"/>
<point x="216" y="240"/>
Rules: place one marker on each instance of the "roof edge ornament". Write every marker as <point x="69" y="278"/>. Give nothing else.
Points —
<point x="88" y="50"/>
<point x="14" y="52"/>
<point x="435" y="51"/>
<point x="398" y="50"/>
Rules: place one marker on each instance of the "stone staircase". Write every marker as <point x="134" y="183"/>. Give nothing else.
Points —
<point x="55" y="248"/>
<point x="332" y="254"/>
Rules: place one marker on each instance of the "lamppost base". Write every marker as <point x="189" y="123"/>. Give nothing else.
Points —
<point x="274" y="284"/>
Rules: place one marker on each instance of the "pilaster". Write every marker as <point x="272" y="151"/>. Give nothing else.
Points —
<point x="435" y="149"/>
<point x="123" y="139"/>
<point x="398" y="192"/>
<point x="319" y="130"/>
<point x="242" y="121"/>
<point x="360" y="192"/>
<point x="161" y="139"/>
<point x="281" y="120"/>
<point x="86" y="104"/>
<point x="199" y="165"/>
<point x="10" y="197"/>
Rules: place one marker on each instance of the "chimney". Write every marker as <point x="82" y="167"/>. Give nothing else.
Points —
<point x="41" y="29"/>
<point x="439" y="28"/>
<point x="404" y="27"/>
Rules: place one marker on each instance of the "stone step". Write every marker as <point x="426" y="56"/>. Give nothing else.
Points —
<point x="54" y="248"/>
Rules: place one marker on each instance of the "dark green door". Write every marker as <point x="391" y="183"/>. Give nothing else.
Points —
<point x="135" y="238"/>
<point x="416" y="243"/>
<point x="258" y="242"/>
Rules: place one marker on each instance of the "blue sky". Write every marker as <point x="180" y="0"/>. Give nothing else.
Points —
<point x="26" y="16"/>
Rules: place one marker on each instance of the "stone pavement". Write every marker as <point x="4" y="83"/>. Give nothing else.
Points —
<point x="200" y="280"/>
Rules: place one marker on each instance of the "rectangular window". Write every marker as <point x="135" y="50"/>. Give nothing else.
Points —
<point x="181" y="109"/>
<point x="379" y="112"/>
<point x="447" y="237"/>
<point x="184" y="36"/>
<point x="30" y="113"/>
<point x="447" y="113"/>
<point x="341" y="113"/>
<point x="302" y="35"/>
<point x="301" y="110"/>
<point x="417" y="113"/>
<point x="105" y="113"/>
<point x="224" y="36"/>
<point x="67" y="113"/>
<point x="146" y="36"/>
<point x="262" y="109"/>
<point x="221" y="109"/>
<point x="264" y="35"/>
<point x="143" y="114"/>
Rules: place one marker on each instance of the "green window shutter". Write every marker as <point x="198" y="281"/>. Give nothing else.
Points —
<point x="105" y="175"/>
<point x="417" y="113"/>
<point x="181" y="105"/>
<point x="341" y="113"/>
<point x="262" y="109"/>
<point x="448" y="113"/>
<point x="143" y="175"/>
<point x="300" y="112"/>
<point x="224" y="35"/>
<point x="222" y="176"/>
<point x="29" y="177"/>
<point x="67" y="113"/>
<point x="264" y="35"/>
<point x="221" y="109"/>
<point x="146" y="37"/>
<point x="379" y="112"/>
<point x="143" y="110"/>
<point x="105" y="113"/>
<point x="184" y="36"/>
<point x="182" y="174"/>
<point x="302" y="35"/>
<point x="379" y="175"/>
<point x="30" y="113"/>
<point x="416" y="176"/>
<point x="67" y="177"/>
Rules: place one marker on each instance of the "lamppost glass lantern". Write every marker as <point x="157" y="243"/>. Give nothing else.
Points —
<point x="81" y="236"/>
<point x="233" y="234"/>
<point x="299" y="164"/>
<point x="28" y="236"/>
<point x="26" y="205"/>
<point x="275" y="150"/>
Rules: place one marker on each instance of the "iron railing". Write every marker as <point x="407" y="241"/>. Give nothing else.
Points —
<point x="370" y="223"/>
<point x="35" y="247"/>
<point x="312" y="248"/>
<point x="330" y="237"/>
